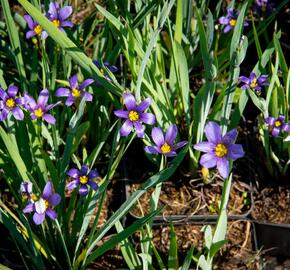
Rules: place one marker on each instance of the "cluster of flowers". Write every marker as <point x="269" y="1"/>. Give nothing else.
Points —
<point x="58" y="16"/>
<point x="43" y="205"/>
<point x="135" y="117"/>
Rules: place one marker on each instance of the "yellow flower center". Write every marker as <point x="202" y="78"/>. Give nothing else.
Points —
<point x="34" y="197"/>
<point x="56" y="23"/>
<point x="84" y="179"/>
<point x="165" y="148"/>
<point x="133" y="116"/>
<point x="221" y="150"/>
<point x="10" y="103"/>
<point x="38" y="113"/>
<point x="254" y="83"/>
<point x="278" y="123"/>
<point x="233" y="22"/>
<point x="37" y="29"/>
<point x="46" y="203"/>
<point x="102" y="71"/>
<point x="75" y="92"/>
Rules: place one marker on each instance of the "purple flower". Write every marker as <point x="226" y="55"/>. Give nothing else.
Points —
<point x="230" y="20"/>
<point x="254" y="82"/>
<point x="276" y="125"/>
<point x="82" y="178"/>
<point x="59" y="15"/>
<point x="112" y="68"/>
<point x="219" y="149"/>
<point x="165" y="145"/>
<point x="10" y="103"/>
<point x="135" y="115"/>
<point x="35" y="28"/>
<point x="75" y="90"/>
<point x="43" y="206"/>
<point x="39" y="110"/>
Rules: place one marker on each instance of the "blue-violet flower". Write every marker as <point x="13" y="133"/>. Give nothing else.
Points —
<point x="277" y="125"/>
<point x="112" y="68"/>
<point x="219" y="149"/>
<point x="82" y="178"/>
<point x="35" y="28"/>
<point x="39" y="109"/>
<point x="58" y="16"/>
<point x="165" y="145"/>
<point x="43" y="206"/>
<point x="253" y="82"/>
<point x="10" y="103"/>
<point x="135" y="115"/>
<point x="75" y="90"/>
<point x="230" y="20"/>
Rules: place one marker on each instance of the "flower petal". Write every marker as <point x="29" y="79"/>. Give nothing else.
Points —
<point x="74" y="173"/>
<point x="286" y="127"/>
<point x="126" y="128"/>
<point x="54" y="199"/>
<point x="129" y="101"/>
<point x="44" y="35"/>
<point x="281" y="118"/>
<point x="72" y="185"/>
<point x="47" y="191"/>
<point x="157" y="136"/>
<point x="12" y="91"/>
<point x="52" y="10"/>
<point x="3" y="114"/>
<point x="3" y="94"/>
<point x="143" y="105"/>
<point x="204" y="147"/>
<point x="29" y="208"/>
<point x="244" y="79"/>
<point x="66" y="24"/>
<point x="147" y="118"/>
<point x="275" y="131"/>
<point x="51" y="213"/>
<point x="228" y="28"/>
<point x="171" y="154"/>
<point x="29" y="21"/>
<point x="84" y="170"/>
<point x="65" y="12"/>
<point x="62" y="92"/>
<point x="93" y="185"/>
<point x="223" y="167"/>
<point x="139" y="129"/>
<point x="43" y="97"/>
<point x="224" y="20"/>
<point x="73" y="81"/>
<point x="179" y="145"/>
<point x="235" y="151"/>
<point x="171" y="134"/>
<point x="270" y="120"/>
<point x="213" y="132"/>
<point x="230" y="137"/>
<point x="121" y="113"/>
<point x="30" y="34"/>
<point x="93" y="174"/>
<point x="49" y="118"/>
<point x="208" y="160"/>
<point x="18" y="113"/>
<point x="88" y="96"/>
<point x="151" y="149"/>
<point x="70" y="101"/>
<point x="86" y="83"/>
<point x="83" y="191"/>
<point x="38" y="218"/>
